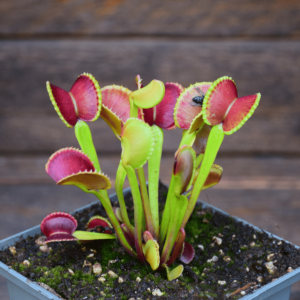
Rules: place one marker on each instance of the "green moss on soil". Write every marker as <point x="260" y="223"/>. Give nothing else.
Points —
<point x="55" y="272"/>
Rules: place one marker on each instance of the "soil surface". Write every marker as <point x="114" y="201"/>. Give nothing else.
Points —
<point x="231" y="260"/>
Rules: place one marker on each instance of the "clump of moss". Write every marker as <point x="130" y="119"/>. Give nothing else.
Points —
<point x="53" y="277"/>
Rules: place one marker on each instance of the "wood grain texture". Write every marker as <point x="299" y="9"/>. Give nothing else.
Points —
<point x="31" y="124"/>
<point x="271" y="68"/>
<point x="275" y="134"/>
<point x="169" y="17"/>
<point x="273" y="173"/>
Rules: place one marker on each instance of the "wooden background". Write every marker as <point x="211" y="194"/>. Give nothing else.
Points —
<point x="257" y="42"/>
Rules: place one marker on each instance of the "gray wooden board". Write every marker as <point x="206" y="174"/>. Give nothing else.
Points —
<point x="268" y="67"/>
<point x="28" y="121"/>
<point x="28" y="169"/>
<point x="133" y="17"/>
<point x="261" y="134"/>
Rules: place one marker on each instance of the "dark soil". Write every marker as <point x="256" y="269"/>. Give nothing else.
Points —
<point x="230" y="258"/>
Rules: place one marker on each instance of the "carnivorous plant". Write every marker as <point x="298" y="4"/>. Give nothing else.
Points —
<point x="206" y="112"/>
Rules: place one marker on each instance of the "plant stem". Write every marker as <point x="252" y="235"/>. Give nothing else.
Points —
<point x="145" y="200"/>
<point x="187" y="138"/>
<point x="133" y="109"/>
<point x="120" y="178"/>
<point x="166" y="214"/>
<point x="214" y="142"/>
<point x="178" y="208"/>
<point x="138" y="212"/>
<point x="85" y="140"/>
<point x="199" y="160"/>
<point x="114" y="221"/>
<point x="177" y="247"/>
<point x="153" y="177"/>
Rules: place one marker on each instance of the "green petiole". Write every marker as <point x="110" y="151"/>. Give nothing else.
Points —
<point x="145" y="200"/>
<point x="114" y="221"/>
<point x="214" y="142"/>
<point x="138" y="211"/>
<point x="178" y="206"/>
<point x="153" y="178"/>
<point x="120" y="178"/>
<point x="85" y="140"/>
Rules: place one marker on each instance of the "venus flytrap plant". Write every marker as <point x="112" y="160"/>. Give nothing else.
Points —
<point x="226" y="113"/>
<point x="82" y="104"/>
<point x="135" y="135"/>
<point x="205" y="111"/>
<point x="159" y="117"/>
<point x="188" y="116"/>
<point x="70" y="166"/>
<point x="58" y="227"/>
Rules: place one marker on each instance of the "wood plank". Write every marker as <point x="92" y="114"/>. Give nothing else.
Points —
<point x="273" y="134"/>
<point x="133" y="17"/>
<point x="269" y="67"/>
<point x="265" y="173"/>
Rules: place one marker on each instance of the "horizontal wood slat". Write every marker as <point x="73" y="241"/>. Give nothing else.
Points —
<point x="239" y="172"/>
<point x="275" y="134"/>
<point x="270" y="68"/>
<point x="134" y="17"/>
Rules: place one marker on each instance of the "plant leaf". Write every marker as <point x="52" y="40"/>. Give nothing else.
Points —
<point x="87" y="95"/>
<point x="241" y="110"/>
<point x="177" y="246"/>
<point x="201" y="139"/>
<point x="196" y="123"/>
<point x="118" y="214"/>
<point x="151" y="251"/>
<point x="66" y="162"/>
<point x="222" y="105"/>
<point x="214" y="176"/>
<point x="69" y="166"/>
<point x="149" y="115"/>
<point x="58" y="226"/>
<point x="221" y="94"/>
<point x="175" y="273"/>
<point x="99" y="221"/>
<point x="115" y="107"/>
<point x="88" y="236"/>
<point x="183" y="169"/>
<point x="164" y="115"/>
<point x="137" y="143"/>
<point x="188" y="253"/>
<point x="82" y="102"/>
<point x="90" y="180"/>
<point x="150" y="95"/>
<point x="186" y="109"/>
<point x="147" y="236"/>
<point x="63" y="104"/>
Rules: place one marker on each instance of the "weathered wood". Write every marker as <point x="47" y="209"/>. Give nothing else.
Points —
<point x="261" y="134"/>
<point x="273" y="173"/>
<point x="271" y="68"/>
<point x="133" y="17"/>
<point x="31" y="123"/>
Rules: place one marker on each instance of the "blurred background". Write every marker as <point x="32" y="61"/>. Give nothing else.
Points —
<point x="256" y="42"/>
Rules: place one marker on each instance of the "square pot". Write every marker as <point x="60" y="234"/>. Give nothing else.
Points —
<point x="19" y="287"/>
